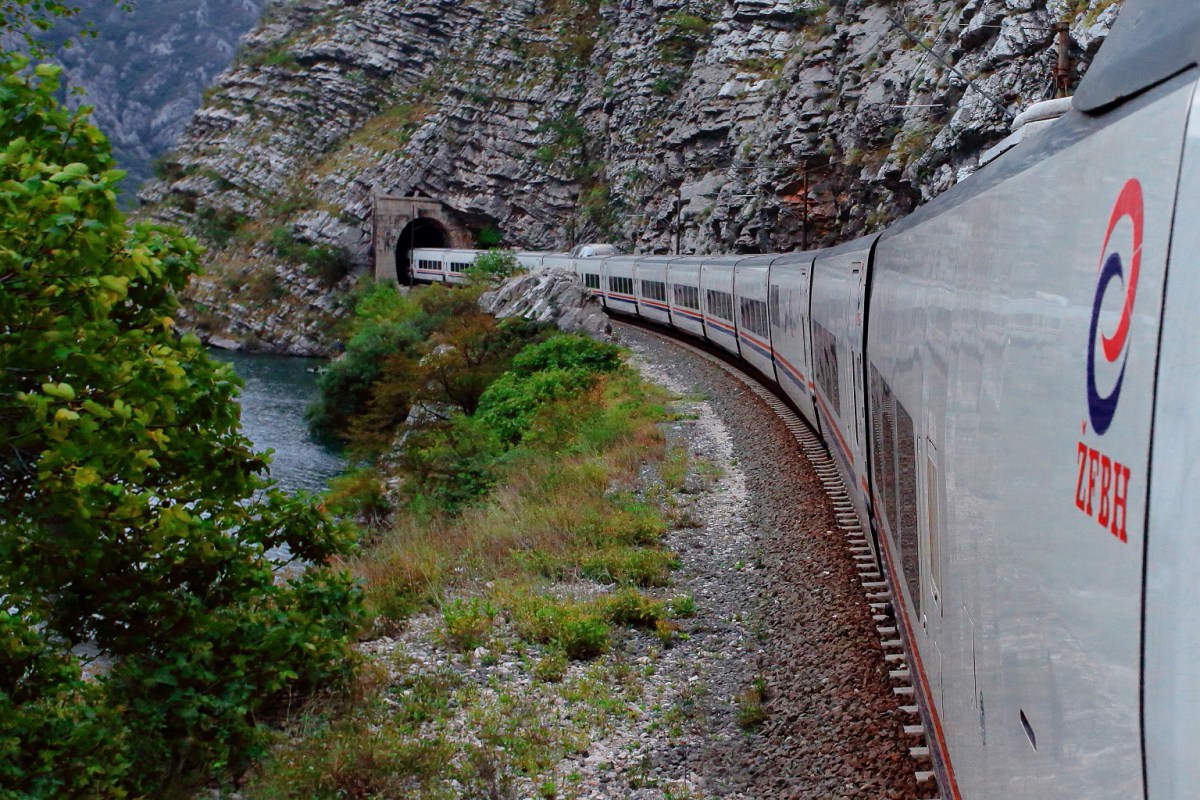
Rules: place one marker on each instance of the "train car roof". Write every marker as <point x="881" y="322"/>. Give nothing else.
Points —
<point x="1152" y="40"/>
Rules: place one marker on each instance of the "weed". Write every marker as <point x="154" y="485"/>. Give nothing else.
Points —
<point x="750" y="712"/>
<point x="640" y="566"/>
<point x="468" y="623"/>
<point x="632" y="608"/>
<point x="552" y="667"/>
<point x="682" y="606"/>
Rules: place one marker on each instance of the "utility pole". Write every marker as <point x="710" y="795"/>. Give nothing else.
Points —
<point x="678" y="217"/>
<point x="804" y="217"/>
<point x="1062" y="71"/>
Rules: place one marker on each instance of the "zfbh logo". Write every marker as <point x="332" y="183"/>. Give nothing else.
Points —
<point x="1102" y="407"/>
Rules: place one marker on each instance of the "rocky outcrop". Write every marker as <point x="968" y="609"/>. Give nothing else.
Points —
<point x="737" y="126"/>
<point x="551" y="296"/>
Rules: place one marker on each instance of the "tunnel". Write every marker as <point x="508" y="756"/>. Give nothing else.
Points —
<point x="421" y="232"/>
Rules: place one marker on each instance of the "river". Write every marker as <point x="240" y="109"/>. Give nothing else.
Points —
<point x="277" y="390"/>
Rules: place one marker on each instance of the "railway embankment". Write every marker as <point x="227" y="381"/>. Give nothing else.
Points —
<point x="648" y="599"/>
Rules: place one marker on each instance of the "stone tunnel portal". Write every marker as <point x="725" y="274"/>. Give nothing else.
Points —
<point x="421" y="232"/>
<point x="401" y="223"/>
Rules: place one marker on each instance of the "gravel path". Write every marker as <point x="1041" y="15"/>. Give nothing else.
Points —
<point x="779" y="602"/>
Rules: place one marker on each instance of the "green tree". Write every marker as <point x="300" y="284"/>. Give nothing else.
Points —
<point x="133" y="513"/>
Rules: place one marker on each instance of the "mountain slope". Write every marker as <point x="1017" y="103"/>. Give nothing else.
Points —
<point x="555" y="121"/>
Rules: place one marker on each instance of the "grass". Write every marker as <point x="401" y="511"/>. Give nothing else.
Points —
<point x="547" y="576"/>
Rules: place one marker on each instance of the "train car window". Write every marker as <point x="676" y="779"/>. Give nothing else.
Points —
<point x="687" y="297"/>
<point x="826" y="366"/>
<point x="591" y="280"/>
<point x="932" y="517"/>
<point x="720" y="304"/>
<point x="654" y="290"/>
<point x="773" y="306"/>
<point x="620" y="285"/>
<point x="459" y="267"/>
<point x="879" y="453"/>
<point x="908" y="542"/>
<point x="754" y="316"/>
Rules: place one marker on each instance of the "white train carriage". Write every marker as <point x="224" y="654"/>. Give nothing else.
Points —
<point x="1013" y="375"/>
<point x="590" y="272"/>
<point x="441" y="265"/>
<point x="559" y="260"/>
<point x="617" y="284"/>
<point x="530" y="261"/>
<point x="683" y="294"/>
<point x="717" y="303"/>
<point x="650" y="288"/>
<point x="751" y="276"/>
<point x="788" y="306"/>
<point x="838" y="305"/>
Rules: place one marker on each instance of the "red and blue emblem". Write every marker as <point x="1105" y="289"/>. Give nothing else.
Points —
<point x="1113" y="264"/>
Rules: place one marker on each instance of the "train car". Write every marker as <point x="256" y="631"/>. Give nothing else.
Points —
<point x="716" y="301"/>
<point x="590" y="272"/>
<point x="529" y="261"/>
<point x="617" y="284"/>
<point x="683" y="294"/>
<point x="650" y="288"/>
<point x="428" y="265"/>
<point x="557" y="260"/>
<point x="750" y="277"/>
<point x="788" y="303"/>
<point x="838" y="303"/>
<point x="1015" y="376"/>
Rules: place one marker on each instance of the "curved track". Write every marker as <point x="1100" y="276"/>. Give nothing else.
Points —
<point x="876" y="588"/>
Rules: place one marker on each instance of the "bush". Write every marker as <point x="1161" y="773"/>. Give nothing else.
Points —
<point x="468" y="623"/>
<point x="493" y="266"/>
<point x="568" y="351"/>
<point x="58" y="738"/>
<point x="632" y="608"/>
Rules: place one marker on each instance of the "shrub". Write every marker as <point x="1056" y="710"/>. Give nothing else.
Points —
<point x="630" y="607"/>
<point x="568" y="351"/>
<point x="467" y="622"/>
<point x="493" y="266"/>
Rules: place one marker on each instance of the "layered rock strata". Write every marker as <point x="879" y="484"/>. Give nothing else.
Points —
<point x="740" y="126"/>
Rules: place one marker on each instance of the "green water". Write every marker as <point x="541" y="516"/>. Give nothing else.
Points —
<point x="277" y="391"/>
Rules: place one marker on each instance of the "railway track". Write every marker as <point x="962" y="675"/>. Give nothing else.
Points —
<point x="876" y="586"/>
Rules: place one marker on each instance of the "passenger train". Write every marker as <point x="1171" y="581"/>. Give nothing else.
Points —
<point x="1008" y="380"/>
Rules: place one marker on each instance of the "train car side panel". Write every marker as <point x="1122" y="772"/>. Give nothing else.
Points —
<point x="650" y="286"/>
<point x="1015" y="497"/>
<point x="838" y="313"/>
<point x="788" y="305"/>
<point x="1172" y="669"/>
<point x="716" y="300"/>
<point x="618" y="285"/>
<point x="683" y="293"/>
<point x="750" y="306"/>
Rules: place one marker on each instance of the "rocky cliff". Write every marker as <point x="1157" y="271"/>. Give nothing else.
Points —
<point x="146" y="67"/>
<point x="736" y="126"/>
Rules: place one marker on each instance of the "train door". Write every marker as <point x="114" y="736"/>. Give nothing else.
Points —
<point x="858" y="271"/>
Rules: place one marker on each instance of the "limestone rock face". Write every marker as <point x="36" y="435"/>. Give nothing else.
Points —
<point x="737" y="126"/>
<point x="551" y="296"/>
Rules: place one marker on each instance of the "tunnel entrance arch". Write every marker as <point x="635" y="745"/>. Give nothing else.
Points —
<point x="421" y="232"/>
<point x="401" y="223"/>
